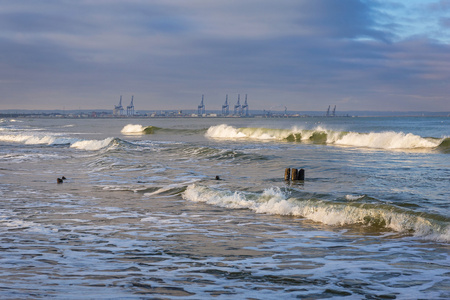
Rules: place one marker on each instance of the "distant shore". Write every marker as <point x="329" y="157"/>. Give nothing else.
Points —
<point x="192" y="114"/>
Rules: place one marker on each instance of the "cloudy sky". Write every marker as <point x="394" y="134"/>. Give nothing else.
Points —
<point x="386" y="55"/>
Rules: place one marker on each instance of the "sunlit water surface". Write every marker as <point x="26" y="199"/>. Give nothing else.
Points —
<point x="141" y="214"/>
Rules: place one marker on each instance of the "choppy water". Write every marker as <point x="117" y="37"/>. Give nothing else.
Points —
<point x="141" y="215"/>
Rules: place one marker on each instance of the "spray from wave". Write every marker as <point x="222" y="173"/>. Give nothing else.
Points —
<point x="377" y="140"/>
<point x="54" y="140"/>
<point x="273" y="201"/>
<point x="386" y="140"/>
<point x="92" y="145"/>
<point x="28" y="139"/>
<point x="136" y="129"/>
<point x="133" y="129"/>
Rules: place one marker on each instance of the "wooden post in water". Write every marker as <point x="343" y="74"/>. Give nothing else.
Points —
<point x="287" y="174"/>
<point x="301" y="174"/>
<point x="294" y="174"/>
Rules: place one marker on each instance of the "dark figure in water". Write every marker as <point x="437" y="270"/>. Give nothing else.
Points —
<point x="60" y="180"/>
<point x="217" y="177"/>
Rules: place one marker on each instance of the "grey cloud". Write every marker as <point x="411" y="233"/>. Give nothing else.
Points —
<point x="302" y="53"/>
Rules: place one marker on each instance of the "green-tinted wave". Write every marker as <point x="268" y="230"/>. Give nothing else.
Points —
<point x="319" y="137"/>
<point x="378" y="216"/>
<point x="151" y="129"/>
<point x="294" y="137"/>
<point x="388" y="140"/>
<point x="444" y="146"/>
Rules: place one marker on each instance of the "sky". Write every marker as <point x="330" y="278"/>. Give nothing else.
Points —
<point x="386" y="55"/>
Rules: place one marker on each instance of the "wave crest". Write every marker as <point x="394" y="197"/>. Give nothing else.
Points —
<point x="386" y="140"/>
<point x="132" y="129"/>
<point x="57" y="141"/>
<point x="37" y="139"/>
<point x="92" y="145"/>
<point x="376" y="140"/>
<point x="136" y="129"/>
<point x="274" y="201"/>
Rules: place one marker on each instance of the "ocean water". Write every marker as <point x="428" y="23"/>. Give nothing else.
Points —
<point x="141" y="214"/>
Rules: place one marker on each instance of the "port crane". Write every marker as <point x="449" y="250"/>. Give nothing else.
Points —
<point x="226" y="107"/>
<point x="332" y="114"/>
<point x="237" y="106"/>
<point x="118" y="109"/>
<point x="245" y="106"/>
<point x="130" y="108"/>
<point x="201" y="107"/>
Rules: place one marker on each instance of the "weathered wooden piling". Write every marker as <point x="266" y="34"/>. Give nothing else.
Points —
<point x="287" y="174"/>
<point x="301" y="174"/>
<point x="294" y="174"/>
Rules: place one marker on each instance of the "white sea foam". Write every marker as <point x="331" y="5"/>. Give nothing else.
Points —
<point x="21" y="157"/>
<point x="133" y="129"/>
<point x="159" y="191"/>
<point x="92" y="145"/>
<point x="376" y="140"/>
<point x="386" y="140"/>
<point x="171" y="187"/>
<point x="224" y="131"/>
<point x="354" y="197"/>
<point x="24" y="225"/>
<point x="274" y="201"/>
<point x="46" y="139"/>
<point x="36" y="139"/>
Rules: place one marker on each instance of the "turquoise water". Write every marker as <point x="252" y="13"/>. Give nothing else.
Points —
<point x="141" y="215"/>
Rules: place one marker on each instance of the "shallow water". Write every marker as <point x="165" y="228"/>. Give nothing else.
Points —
<point x="141" y="216"/>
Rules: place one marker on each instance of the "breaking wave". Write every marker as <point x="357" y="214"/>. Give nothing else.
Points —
<point x="54" y="140"/>
<point x="93" y="145"/>
<point x="132" y="129"/>
<point x="28" y="139"/>
<point x="377" y="140"/>
<point x="444" y="146"/>
<point x="274" y="201"/>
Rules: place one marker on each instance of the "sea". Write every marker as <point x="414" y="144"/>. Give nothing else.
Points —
<point x="199" y="208"/>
